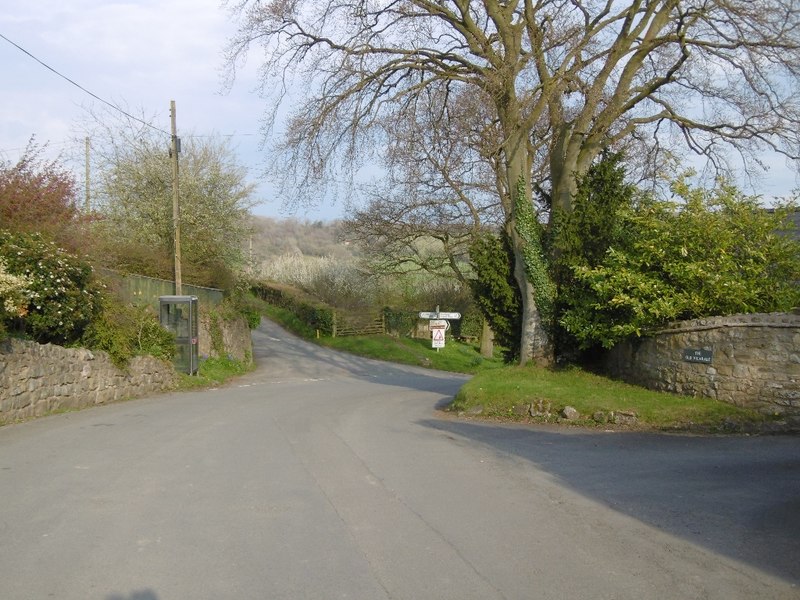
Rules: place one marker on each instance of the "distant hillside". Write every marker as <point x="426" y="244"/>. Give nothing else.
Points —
<point x="277" y="237"/>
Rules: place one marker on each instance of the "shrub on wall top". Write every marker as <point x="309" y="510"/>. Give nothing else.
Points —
<point x="125" y="331"/>
<point x="709" y="253"/>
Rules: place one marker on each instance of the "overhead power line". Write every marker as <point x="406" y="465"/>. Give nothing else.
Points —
<point x="83" y="89"/>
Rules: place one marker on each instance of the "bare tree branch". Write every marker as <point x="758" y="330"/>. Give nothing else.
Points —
<point x="561" y="80"/>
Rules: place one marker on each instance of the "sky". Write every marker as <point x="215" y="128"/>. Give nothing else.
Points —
<point x="141" y="54"/>
<point x="136" y="54"/>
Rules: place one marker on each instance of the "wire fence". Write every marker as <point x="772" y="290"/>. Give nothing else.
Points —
<point x="141" y="290"/>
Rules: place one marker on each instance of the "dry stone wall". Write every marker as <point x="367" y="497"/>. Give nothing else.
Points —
<point x="234" y="337"/>
<point x="36" y="379"/>
<point x="746" y="360"/>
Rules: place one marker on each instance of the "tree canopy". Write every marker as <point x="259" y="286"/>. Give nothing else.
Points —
<point x="561" y="81"/>
<point x="135" y="204"/>
<point x="439" y="191"/>
<point x="37" y="194"/>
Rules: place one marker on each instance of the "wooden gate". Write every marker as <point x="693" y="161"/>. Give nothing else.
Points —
<point x="358" y="324"/>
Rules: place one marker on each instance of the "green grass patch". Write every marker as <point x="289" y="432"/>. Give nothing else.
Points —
<point x="213" y="371"/>
<point x="509" y="392"/>
<point x="455" y="356"/>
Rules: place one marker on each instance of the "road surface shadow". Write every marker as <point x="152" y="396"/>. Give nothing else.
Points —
<point x="737" y="496"/>
<point x="137" y="595"/>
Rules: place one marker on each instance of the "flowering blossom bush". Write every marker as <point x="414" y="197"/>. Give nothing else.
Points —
<point x="297" y="269"/>
<point x="61" y="292"/>
<point x="14" y="295"/>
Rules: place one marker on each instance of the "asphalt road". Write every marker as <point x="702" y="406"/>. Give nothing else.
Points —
<point x="327" y="476"/>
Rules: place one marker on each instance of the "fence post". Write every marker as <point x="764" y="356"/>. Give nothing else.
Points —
<point x="333" y="334"/>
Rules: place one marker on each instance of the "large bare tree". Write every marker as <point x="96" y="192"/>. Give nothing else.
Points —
<point x="439" y="190"/>
<point x="564" y="79"/>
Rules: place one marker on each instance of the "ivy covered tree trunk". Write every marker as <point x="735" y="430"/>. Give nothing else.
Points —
<point x="535" y="343"/>
<point x="530" y="270"/>
<point x="496" y="292"/>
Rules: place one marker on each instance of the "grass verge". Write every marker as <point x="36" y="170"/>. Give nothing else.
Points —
<point x="455" y="356"/>
<point x="511" y="392"/>
<point x="288" y="320"/>
<point x="508" y="393"/>
<point x="211" y="372"/>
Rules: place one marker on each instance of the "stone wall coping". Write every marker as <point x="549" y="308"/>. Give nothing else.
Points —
<point x="769" y="320"/>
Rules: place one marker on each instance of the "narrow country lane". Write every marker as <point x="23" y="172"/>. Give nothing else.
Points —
<point x="324" y="476"/>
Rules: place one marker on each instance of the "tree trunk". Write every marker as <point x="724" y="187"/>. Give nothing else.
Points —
<point x="569" y="162"/>
<point x="535" y="343"/>
<point x="487" y="340"/>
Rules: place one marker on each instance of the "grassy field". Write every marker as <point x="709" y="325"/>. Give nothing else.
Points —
<point x="455" y="356"/>
<point x="507" y="393"/>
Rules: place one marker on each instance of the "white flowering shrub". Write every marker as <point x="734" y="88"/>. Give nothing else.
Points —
<point x="62" y="294"/>
<point x="295" y="269"/>
<point x="14" y="294"/>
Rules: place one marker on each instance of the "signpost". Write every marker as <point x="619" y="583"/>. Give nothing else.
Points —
<point x="439" y="315"/>
<point x="438" y="325"/>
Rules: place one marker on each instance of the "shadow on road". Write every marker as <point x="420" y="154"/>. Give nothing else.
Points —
<point x="137" y="595"/>
<point x="737" y="496"/>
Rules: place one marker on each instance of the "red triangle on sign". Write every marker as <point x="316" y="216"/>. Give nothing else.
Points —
<point x="438" y="334"/>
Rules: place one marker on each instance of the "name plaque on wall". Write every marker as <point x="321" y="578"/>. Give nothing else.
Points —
<point x="698" y="355"/>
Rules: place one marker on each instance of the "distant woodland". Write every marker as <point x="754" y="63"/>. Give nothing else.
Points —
<point x="278" y="237"/>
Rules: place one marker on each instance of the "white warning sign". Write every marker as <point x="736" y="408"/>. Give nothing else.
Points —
<point x="437" y="338"/>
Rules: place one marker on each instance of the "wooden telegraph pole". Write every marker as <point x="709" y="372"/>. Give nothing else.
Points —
<point x="88" y="202"/>
<point x="176" y="211"/>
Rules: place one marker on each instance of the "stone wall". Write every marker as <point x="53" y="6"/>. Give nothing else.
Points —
<point x="233" y="333"/>
<point x="746" y="360"/>
<point x="36" y="379"/>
